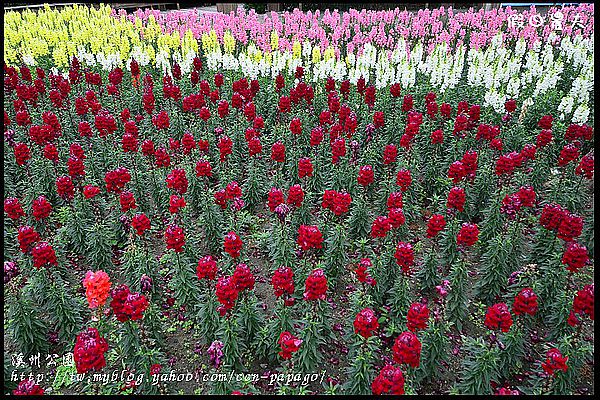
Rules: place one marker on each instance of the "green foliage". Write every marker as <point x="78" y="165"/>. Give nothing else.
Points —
<point x="478" y="369"/>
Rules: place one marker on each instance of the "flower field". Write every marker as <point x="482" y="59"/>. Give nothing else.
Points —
<point x="366" y="202"/>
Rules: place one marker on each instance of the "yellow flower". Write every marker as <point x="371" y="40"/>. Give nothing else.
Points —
<point x="316" y="55"/>
<point x="274" y="40"/>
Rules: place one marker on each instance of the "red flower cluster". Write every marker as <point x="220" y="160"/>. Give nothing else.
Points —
<point x="174" y="238"/>
<point x="203" y="168"/>
<point x="570" y="227"/>
<point x="315" y="285"/>
<point x="555" y="362"/>
<point x="227" y="294"/>
<point x="552" y="215"/>
<point x="295" y="195"/>
<point x="498" y="317"/>
<point x="176" y="203"/>
<point x="407" y="349"/>
<point x="65" y="188"/>
<point x="435" y="225"/>
<point x="405" y="256"/>
<point x="243" y="278"/>
<point x="43" y="255"/>
<point x="365" y="175"/>
<point x="275" y="198"/>
<point x="278" y="152"/>
<point x="90" y="191"/>
<point x="89" y="351"/>
<point x="140" y="223"/>
<point x="456" y="198"/>
<point x="305" y="167"/>
<point x="337" y="202"/>
<point x="380" y="227"/>
<point x="584" y="301"/>
<point x="362" y="274"/>
<point x="127" y="201"/>
<point x="394" y="200"/>
<point x="27" y="237"/>
<point x="576" y="256"/>
<point x="41" y="208"/>
<point x="177" y="181"/>
<point x="117" y="179"/>
<point x="468" y="234"/>
<point x="283" y="281"/>
<point x="225" y="147"/>
<point x="97" y="288"/>
<point x="13" y="208"/>
<point x="28" y="387"/>
<point x="525" y="302"/>
<point x="233" y="244"/>
<point x="365" y="323"/>
<point x="207" y="268"/>
<point x="457" y="171"/>
<point x="126" y="305"/>
<point x="403" y="179"/>
<point x="586" y="166"/>
<point x="289" y="344"/>
<point x="389" y="381"/>
<point x="417" y="316"/>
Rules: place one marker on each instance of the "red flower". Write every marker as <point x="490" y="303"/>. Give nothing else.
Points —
<point x="233" y="244"/>
<point x="570" y="227"/>
<point x="90" y="191"/>
<point x="305" y="167"/>
<point x="407" y="349"/>
<point x="51" y="152"/>
<point x="43" y="254"/>
<point x="341" y="203"/>
<point x="390" y="153"/>
<point x="576" y="256"/>
<point x="555" y="362"/>
<point x="283" y="281"/>
<point x="97" y="288"/>
<point x="316" y="136"/>
<point x="289" y="344"/>
<point x="22" y="153"/>
<point x="276" y="198"/>
<point x="389" y="381"/>
<point x="89" y="351"/>
<point x="378" y="119"/>
<point x="366" y="175"/>
<point x="584" y="301"/>
<point x="545" y="122"/>
<point x="362" y="274"/>
<point x="365" y="323"/>
<point x="456" y="198"/>
<point x="457" y="171"/>
<point x="295" y="195"/>
<point x="396" y="217"/>
<point x="225" y="147"/>
<point x="117" y="179"/>
<point x="435" y="225"/>
<point x="315" y="285"/>
<point x="161" y="120"/>
<point x="552" y="215"/>
<point x="41" y="208"/>
<point x="174" y="238"/>
<point x="28" y="387"/>
<point x="227" y="294"/>
<point x="586" y="166"/>
<point x="284" y="104"/>
<point x="65" y="188"/>
<point x="27" y="236"/>
<point x="544" y="138"/>
<point x="526" y="196"/>
<point x="13" y="208"/>
<point x="148" y="148"/>
<point x="529" y="151"/>
<point x="140" y="223"/>
<point x="254" y="146"/>
<point x="498" y="317"/>
<point x="403" y="179"/>
<point x="127" y="201"/>
<point x="243" y="278"/>
<point x="407" y="103"/>
<point x="296" y="126"/>
<point x="233" y="191"/>
<point x="126" y="305"/>
<point x="468" y="234"/>
<point x="525" y="302"/>
<point x="510" y="105"/>
<point x="437" y="136"/>
<point x="207" y="268"/>
<point x="380" y="227"/>
<point x="338" y="149"/>
<point x="309" y="237"/>
<point x="177" y="181"/>
<point x="417" y="317"/>
<point x="568" y="153"/>
<point x="395" y="90"/>
<point x="394" y="200"/>
<point x="405" y="256"/>
<point x="278" y="152"/>
<point x="203" y="168"/>
<point x="176" y="203"/>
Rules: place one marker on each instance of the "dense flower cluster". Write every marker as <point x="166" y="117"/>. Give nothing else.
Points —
<point x="498" y="318"/>
<point x="405" y="256"/>
<point x="89" y="351"/>
<point x="389" y="381"/>
<point x="97" y="288"/>
<point x="417" y="317"/>
<point x="233" y="244"/>
<point x="289" y="344"/>
<point x="315" y="285"/>
<point x="309" y="237"/>
<point x="336" y="202"/>
<point x="227" y="294"/>
<point x="365" y="323"/>
<point x="526" y="302"/>
<point x="126" y="305"/>
<point x="407" y="349"/>
<point x="207" y="268"/>
<point x="555" y="361"/>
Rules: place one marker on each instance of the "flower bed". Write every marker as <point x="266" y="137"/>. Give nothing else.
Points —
<point x="386" y="202"/>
